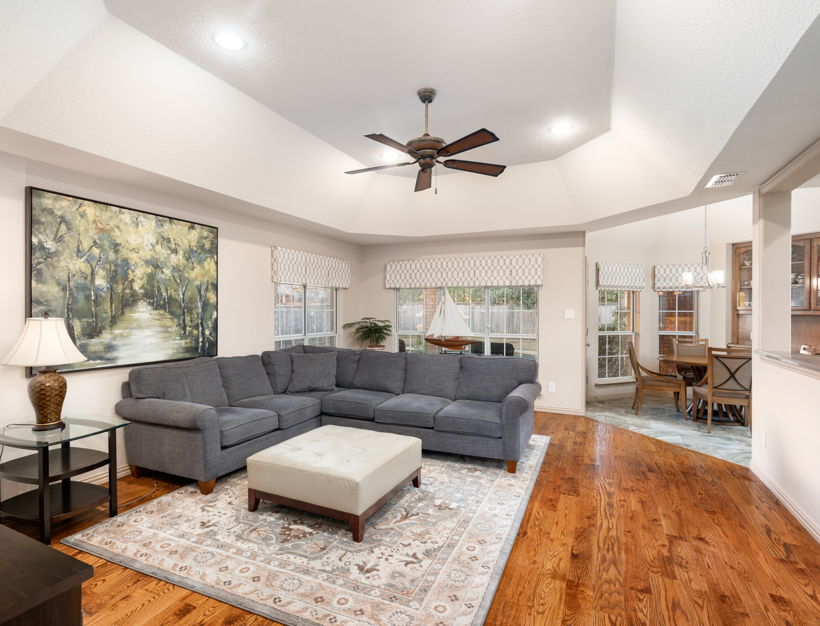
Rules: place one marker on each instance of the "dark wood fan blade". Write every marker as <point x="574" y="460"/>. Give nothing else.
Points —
<point x="424" y="179"/>
<point x="393" y="144"/>
<point x="473" y="140"/>
<point x="379" y="167"/>
<point x="488" y="169"/>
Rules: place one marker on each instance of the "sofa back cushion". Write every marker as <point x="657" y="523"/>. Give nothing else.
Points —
<point x="492" y="378"/>
<point x="346" y="363"/>
<point x="380" y="371"/>
<point x="433" y="374"/>
<point x="313" y="372"/>
<point x="243" y="377"/>
<point x="197" y="380"/>
<point x="277" y="364"/>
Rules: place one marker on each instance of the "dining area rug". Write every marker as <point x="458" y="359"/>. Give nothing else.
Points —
<point x="432" y="555"/>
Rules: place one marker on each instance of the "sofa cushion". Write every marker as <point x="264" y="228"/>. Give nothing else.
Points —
<point x="239" y="424"/>
<point x="197" y="381"/>
<point x="380" y="371"/>
<point x="312" y="372"/>
<point x="346" y="363"/>
<point x="492" y="378"/>
<point x="359" y="403"/>
<point x="291" y="409"/>
<point x="471" y="417"/>
<point x="278" y="367"/>
<point x="410" y="409"/>
<point x="243" y="377"/>
<point x="432" y="374"/>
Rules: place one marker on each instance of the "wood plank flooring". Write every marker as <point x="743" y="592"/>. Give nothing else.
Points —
<point x="620" y="529"/>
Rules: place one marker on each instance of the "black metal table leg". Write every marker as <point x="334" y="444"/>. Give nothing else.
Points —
<point x="112" y="473"/>
<point x="43" y="496"/>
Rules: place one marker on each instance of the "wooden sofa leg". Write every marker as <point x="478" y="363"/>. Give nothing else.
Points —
<point x="206" y="486"/>
<point x="512" y="466"/>
<point x="136" y="472"/>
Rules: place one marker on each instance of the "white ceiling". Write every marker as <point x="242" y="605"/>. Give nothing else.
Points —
<point x="341" y="69"/>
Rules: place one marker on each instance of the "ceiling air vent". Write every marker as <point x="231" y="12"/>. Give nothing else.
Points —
<point x="723" y="180"/>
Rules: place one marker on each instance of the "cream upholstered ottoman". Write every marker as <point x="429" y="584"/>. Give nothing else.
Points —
<point x="343" y="473"/>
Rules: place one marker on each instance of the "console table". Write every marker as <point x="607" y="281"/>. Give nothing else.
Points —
<point x="41" y="586"/>
<point x="52" y="466"/>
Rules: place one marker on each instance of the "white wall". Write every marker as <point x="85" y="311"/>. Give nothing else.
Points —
<point x="560" y="340"/>
<point x="246" y="294"/>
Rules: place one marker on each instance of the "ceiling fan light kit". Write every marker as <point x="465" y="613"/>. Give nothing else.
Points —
<point x="427" y="150"/>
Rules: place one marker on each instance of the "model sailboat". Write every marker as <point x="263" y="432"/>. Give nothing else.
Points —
<point x="449" y="329"/>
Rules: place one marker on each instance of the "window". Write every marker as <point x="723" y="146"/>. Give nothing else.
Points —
<point x="677" y="316"/>
<point x="617" y="324"/>
<point x="304" y="314"/>
<point x="504" y="320"/>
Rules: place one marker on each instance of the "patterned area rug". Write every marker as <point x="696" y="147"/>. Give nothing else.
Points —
<point x="433" y="555"/>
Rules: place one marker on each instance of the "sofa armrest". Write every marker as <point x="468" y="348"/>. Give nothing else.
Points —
<point x="520" y="400"/>
<point x="167" y="413"/>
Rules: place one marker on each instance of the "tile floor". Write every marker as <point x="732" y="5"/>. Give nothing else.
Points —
<point x="659" y="419"/>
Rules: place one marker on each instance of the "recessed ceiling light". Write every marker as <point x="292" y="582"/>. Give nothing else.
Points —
<point x="562" y="128"/>
<point x="229" y="40"/>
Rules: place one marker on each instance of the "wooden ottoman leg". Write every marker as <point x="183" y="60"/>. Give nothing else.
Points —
<point x="206" y="486"/>
<point x="357" y="527"/>
<point x="253" y="501"/>
<point x="417" y="479"/>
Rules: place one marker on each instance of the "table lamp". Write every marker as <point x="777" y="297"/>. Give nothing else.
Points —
<point x="45" y="343"/>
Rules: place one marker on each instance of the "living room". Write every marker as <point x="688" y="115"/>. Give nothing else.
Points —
<point x="137" y="107"/>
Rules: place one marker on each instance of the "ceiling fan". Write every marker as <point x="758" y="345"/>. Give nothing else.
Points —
<point x="428" y="150"/>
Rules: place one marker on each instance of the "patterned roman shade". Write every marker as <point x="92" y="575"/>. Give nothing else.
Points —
<point x="620" y="276"/>
<point x="670" y="277"/>
<point x="466" y="271"/>
<point x="308" y="268"/>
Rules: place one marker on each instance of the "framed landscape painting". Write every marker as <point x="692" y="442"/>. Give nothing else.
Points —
<point x="133" y="287"/>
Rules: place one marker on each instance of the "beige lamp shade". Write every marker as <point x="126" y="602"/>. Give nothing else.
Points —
<point x="44" y="342"/>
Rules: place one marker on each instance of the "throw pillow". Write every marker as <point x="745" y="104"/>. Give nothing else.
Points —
<point x="313" y="372"/>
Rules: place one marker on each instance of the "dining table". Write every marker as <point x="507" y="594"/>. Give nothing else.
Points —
<point x="699" y="364"/>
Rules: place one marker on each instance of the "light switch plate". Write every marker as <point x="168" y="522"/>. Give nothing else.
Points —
<point x="569" y="314"/>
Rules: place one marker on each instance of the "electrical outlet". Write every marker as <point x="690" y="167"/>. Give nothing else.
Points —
<point x="551" y="387"/>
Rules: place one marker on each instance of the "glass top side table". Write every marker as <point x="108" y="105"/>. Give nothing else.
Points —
<point x="51" y="467"/>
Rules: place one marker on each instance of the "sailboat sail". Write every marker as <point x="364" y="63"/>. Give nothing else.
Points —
<point x="448" y="320"/>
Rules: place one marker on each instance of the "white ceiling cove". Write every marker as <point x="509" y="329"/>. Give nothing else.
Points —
<point x="343" y="69"/>
<point x="664" y="95"/>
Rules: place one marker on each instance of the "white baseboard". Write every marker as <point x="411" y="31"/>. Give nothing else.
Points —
<point x="807" y="522"/>
<point x="100" y="475"/>
<point x="557" y="409"/>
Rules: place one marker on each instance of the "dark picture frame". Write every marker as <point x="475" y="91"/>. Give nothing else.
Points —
<point x="134" y="287"/>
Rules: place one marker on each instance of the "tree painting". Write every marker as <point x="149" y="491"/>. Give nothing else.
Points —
<point x="133" y="287"/>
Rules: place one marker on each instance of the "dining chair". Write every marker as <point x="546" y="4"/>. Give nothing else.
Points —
<point x="690" y="346"/>
<point x="728" y="382"/>
<point x="647" y="380"/>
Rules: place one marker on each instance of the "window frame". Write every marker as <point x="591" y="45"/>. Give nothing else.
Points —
<point x="306" y="338"/>
<point x="486" y="336"/>
<point x="677" y="310"/>
<point x="634" y="333"/>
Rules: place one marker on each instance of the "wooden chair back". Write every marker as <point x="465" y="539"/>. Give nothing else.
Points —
<point x="729" y="370"/>
<point x="633" y="361"/>
<point x="690" y="346"/>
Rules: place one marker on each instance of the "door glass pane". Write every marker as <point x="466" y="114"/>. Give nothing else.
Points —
<point x="798" y="275"/>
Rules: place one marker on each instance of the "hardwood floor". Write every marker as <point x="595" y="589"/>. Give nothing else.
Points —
<point x="621" y="529"/>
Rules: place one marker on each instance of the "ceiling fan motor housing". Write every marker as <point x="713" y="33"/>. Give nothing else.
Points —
<point x="427" y="146"/>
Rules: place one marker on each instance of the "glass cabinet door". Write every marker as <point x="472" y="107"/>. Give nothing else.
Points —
<point x="800" y="282"/>
<point x="815" y="275"/>
<point x="744" y="279"/>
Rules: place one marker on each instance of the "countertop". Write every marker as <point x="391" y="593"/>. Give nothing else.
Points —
<point x="809" y="365"/>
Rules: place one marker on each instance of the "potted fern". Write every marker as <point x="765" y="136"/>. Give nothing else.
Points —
<point x="370" y="331"/>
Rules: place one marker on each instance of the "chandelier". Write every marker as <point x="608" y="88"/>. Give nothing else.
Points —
<point x="713" y="279"/>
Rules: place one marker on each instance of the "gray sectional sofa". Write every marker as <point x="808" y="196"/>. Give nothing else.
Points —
<point x="203" y="418"/>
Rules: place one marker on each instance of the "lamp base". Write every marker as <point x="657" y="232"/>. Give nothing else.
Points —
<point x="47" y="392"/>
<point x="51" y="426"/>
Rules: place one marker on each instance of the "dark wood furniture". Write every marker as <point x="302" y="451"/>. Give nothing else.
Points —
<point x="52" y="466"/>
<point x="41" y="586"/>
<point x="728" y="383"/>
<point x="647" y="380"/>
<point x="356" y="522"/>
<point x="804" y="289"/>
